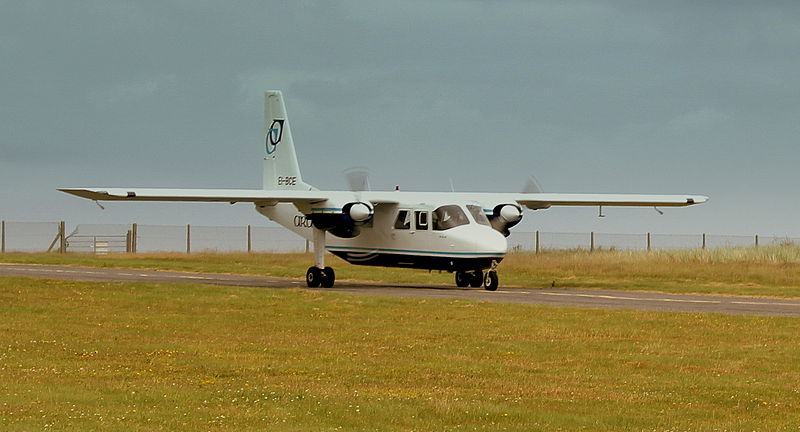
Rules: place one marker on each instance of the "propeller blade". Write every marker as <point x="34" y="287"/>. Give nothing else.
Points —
<point x="357" y="178"/>
<point x="532" y="185"/>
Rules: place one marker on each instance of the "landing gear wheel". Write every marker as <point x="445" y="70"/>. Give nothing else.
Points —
<point x="328" y="277"/>
<point x="313" y="277"/>
<point x="490" y="281"/>
<point x="462" y="279"/>
<point x="477" y="279"/>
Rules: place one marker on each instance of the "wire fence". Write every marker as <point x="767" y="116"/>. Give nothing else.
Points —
<point x="119" y="238"/>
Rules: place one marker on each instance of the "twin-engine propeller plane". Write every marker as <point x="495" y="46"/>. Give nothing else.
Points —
<point x="458" y="232"/>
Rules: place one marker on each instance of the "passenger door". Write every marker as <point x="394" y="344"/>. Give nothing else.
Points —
<point x="424" y="237"/>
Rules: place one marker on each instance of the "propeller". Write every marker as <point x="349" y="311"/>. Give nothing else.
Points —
<point x="532" y="185"/>
<point x="357" y="178"/>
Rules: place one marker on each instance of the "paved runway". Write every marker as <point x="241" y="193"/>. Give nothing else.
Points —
<point x="546" y="296"/>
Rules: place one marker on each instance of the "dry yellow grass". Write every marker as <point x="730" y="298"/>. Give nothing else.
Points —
<point x="121" y="356"/>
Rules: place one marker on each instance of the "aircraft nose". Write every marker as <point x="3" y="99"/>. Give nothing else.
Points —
<point x="491" y="242"/>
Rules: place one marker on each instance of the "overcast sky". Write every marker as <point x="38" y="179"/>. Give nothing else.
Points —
<point x="604" y="97"/>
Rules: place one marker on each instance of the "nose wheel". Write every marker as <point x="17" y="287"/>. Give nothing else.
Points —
<point x="490" y="281"/>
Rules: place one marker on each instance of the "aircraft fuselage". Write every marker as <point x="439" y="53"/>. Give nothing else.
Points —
<point x="407" y="236"/>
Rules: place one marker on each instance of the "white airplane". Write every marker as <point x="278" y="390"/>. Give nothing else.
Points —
<point x="460" y="232"/>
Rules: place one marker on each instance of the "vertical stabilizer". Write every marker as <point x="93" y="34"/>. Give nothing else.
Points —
<point x="281" y="170"/>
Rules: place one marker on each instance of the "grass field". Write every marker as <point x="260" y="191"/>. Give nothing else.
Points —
<point x="114" y="356"/>
<point x="765" y="271"/>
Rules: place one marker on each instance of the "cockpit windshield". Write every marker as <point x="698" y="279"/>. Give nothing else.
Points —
<point x="477" y="213"/>
<point x="449" y="216"/>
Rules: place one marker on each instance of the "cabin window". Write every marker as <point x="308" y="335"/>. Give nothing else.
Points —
<point x="403" y="220"/>
<point x="478" y="214"/>
<point x="422" y="220"/>
<point x="449" y="216"/>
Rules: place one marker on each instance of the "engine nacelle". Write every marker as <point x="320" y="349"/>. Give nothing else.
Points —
<point x="359" y="212"/>
<point x="348" y="222"/>
<point x="505" y="216"/>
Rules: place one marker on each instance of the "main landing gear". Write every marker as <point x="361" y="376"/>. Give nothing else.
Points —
<point x="319" y="275"/>
<point x="475" y="278"/>
<point x="469" y="278"/>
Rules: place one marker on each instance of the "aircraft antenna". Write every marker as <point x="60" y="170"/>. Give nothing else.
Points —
<point x="600" y="214"/>
<point x="99" y="205"/>
<point x="658" y="211"/>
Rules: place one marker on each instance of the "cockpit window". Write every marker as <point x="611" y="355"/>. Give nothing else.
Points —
<point x="449" y="216"/>
<point x="478" y="214"/>
<point x="403" y="220"/>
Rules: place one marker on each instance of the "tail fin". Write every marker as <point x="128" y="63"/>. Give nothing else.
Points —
<point x="281" y="170"/>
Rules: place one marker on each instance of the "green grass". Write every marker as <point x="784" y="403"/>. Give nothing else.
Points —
<point x="765" y="271"/>
<point x="119" y="356"/>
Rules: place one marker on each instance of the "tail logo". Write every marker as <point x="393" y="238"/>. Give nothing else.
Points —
<point x="274" y="135"/>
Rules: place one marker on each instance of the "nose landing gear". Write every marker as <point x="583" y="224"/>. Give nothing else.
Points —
<point x="490" y="281"/>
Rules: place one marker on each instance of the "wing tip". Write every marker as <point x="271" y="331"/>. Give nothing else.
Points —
<point x="85" y="193"/>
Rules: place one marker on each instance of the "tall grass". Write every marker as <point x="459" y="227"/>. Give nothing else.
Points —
<point x="767" y="271"/>
<point x="763" y="271"/>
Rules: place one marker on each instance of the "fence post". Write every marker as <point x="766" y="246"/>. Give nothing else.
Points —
<point x="756" y="240"/>
<point x="188" y="238"/>
<point x="2" y="236"/>
<point x="538" y="245"/>
<point x="648" y="242"/>
<point x="62" y="248"/>
<point x="591" y="241"/>
<point x="704" y="242"/>
<point x="249" y="239"/>
<point x="134" y="229"/>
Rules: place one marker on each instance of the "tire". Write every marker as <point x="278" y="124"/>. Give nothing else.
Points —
<point x="328" y="277"/>
<point x="490" y="281"/>
<point x="313" y="277"/>
<point x="477" y="279"/>
<point x="462" y="279"/>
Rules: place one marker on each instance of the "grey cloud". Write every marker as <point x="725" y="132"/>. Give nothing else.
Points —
<point x="698" y="119"/>
<point x="595" y="96"/>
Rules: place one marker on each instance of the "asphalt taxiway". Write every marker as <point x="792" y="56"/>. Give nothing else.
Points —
<point x="608" y="299"/>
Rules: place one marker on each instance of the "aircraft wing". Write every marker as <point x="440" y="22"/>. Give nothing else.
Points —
<point x="545" y="200"/>
<point x="303" y="198"/>
<point x="198" y="195"/>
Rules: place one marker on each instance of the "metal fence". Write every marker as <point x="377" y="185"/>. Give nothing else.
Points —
<point x="109" y="238"/>
<point x="538" y="241"/>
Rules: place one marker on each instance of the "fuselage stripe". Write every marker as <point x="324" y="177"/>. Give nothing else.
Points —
<point x="406" y="251"/>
